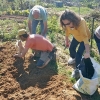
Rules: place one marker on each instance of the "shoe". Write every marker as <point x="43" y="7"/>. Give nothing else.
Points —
<point x="75" y="74"/>
<point x="42" y="64"/>
<point x="71" y="61"/>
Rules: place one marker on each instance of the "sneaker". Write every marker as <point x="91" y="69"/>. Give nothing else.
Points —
<point x="75" y="74"/>
<point x="71" y="61"/>
<point x="42" y="64"/>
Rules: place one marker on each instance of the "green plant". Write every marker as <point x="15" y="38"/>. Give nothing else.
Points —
<point x="9" y="12"/>
<point x="53" y="24"/>
<point x="51" y="36"/>
<point x="17" y="12"/>
<point x="25" y="12"/>
<point x="73" y="80"/>
<point x="95" y="55"/>
<point x="83" y="10"/>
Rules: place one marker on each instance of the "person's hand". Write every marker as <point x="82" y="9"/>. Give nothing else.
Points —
<point x="16" y="55"/>
<point x="19" y="43"/>
<point x="67" y="44"/>
<point x="87" y="55"/>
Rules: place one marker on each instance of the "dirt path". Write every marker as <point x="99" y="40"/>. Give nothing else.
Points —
<point x="13" y="17"/>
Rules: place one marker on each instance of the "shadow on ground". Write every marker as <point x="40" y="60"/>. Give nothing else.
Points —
<point x="30" y="75"/>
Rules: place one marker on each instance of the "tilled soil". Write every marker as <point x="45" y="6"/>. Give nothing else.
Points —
<point x="13" y="17"/>
<point x="20" y="79"/>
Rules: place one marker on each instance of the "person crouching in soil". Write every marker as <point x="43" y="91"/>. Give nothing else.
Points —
<point x="35" y="42"/>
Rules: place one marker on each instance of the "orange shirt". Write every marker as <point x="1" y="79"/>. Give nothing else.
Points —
<point x="38" y="42"/>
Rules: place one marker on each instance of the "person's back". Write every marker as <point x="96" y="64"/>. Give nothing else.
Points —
<point x="35" y="42"/>
<point x="38" y="14"/>
<point x="42" y="13"/>
<point x="38" y="42"/>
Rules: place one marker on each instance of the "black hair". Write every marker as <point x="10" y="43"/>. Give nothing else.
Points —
<point x="25" y="35"/>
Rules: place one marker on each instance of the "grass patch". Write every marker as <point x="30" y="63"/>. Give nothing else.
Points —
<point x="58" y="9"/>
<point x="83" y="10"/>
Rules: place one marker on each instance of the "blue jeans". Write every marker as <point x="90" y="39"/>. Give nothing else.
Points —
<point x="34" y="26"/>
<point x="72" y="49"/>
<point x="97" y="42"/>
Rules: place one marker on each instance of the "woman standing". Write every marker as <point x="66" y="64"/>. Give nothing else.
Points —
<point x="76" y="25"/>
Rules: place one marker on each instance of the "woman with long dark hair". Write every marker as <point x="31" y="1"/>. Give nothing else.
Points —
<point x="75" y="25"/>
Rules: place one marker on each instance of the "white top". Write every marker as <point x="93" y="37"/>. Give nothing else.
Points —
<point x="97" y="32"/>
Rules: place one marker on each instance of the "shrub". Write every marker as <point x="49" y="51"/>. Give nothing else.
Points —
<point x="17" y="12"/>
<point x="90" y="6"/>
<point x="25" y="12"/>
<point x="9" y="12"/>
<point x="95" y="14"/>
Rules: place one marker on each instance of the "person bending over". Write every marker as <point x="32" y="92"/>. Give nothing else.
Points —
<point x="35" y="42"/>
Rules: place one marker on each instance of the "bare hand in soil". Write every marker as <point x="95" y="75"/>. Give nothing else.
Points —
<point x="16" y="56"/>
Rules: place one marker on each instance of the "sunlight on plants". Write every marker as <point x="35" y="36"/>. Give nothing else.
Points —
<point x="73" y="80"/>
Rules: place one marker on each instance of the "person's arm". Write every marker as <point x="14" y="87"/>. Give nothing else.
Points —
<point x="22" y="54"/>
<point x="30" y="26"/>
<point x="87" y="48"/>
<point x="87" y="51"/>
<point x="67" y="41"/>
<point x="45" y="29"/>
<point x="44" y="18"/>
<point x="21" y="49"/>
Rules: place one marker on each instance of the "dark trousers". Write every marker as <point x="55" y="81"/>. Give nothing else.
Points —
<point x="77" y="54"/>
<point x="34" y="25"/>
